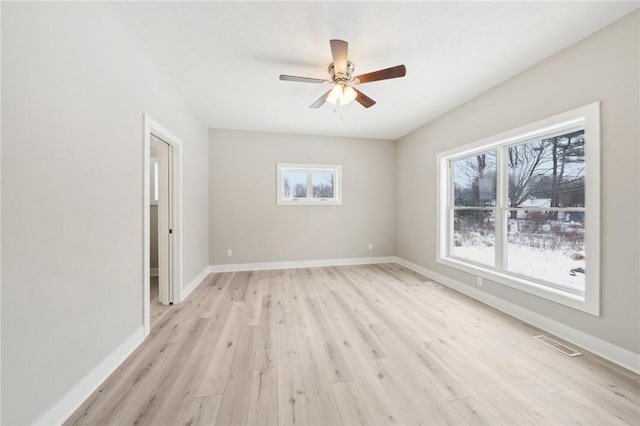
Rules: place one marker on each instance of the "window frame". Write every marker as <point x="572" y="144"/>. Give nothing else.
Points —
<point x="335" y="169"/>
<point x="587" y="117"/>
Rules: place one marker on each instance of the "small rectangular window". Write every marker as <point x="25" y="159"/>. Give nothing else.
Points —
<point x="309" y="184"/>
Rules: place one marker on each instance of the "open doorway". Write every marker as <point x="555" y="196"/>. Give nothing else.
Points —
<point x="162" y="261"/>
<point x="161" y="221"/>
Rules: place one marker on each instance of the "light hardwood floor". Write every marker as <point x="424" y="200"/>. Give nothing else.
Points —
<point x="157" y="310"/>
<point x="371" y="344"/>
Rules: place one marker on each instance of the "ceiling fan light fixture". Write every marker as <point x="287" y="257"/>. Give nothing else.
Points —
<point x="341" y="76"/>
<point x="349" y="93"/>
<point x="341" y="95"/>
<point x="335" y="94"/>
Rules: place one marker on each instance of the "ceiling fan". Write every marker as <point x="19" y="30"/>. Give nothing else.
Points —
<point x="341" y="72"/>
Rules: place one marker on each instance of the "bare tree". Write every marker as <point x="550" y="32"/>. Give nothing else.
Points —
<point x="471" y="174"/>
<point x="568" y="148"/>
<point x="287" y="187"/>
<point x="324" y="189"/>
<point x="525" y="166"/>
<point x="299" y="190"/>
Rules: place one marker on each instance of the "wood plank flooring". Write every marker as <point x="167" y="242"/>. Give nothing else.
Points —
<point x="351" y="345"/>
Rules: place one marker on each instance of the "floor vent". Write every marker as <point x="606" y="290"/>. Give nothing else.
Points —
<point x="557" y="345"/>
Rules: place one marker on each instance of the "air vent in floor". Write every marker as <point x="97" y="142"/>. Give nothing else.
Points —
<point x="557" y="345"/>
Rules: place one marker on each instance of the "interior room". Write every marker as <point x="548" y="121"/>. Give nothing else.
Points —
<point x="320" y="213"/>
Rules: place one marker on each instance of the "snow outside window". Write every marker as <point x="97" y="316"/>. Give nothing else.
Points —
<point x="522" y="208"/>
<point x="309" y="184"/>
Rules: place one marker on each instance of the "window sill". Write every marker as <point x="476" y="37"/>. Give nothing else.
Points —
<point x="580" y="303"/>
<point x="310" y="203"/>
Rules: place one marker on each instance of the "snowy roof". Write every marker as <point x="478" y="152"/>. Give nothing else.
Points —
<point x="536" y="202"/>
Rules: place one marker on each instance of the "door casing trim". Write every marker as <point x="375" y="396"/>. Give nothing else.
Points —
<point x="153" y="127"/>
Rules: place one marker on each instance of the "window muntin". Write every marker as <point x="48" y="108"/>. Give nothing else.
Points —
<point x="532" y="234"/>
<point x="309" y="184"/>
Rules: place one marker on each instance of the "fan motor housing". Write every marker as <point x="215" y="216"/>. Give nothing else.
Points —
<point x="340" y="76"/>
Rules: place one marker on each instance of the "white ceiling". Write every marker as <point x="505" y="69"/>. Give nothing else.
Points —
<point x="225" y="58"/>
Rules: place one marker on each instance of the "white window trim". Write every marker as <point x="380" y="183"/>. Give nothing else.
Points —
<point x="310" y="201"/>
<point x="590" y="116"/>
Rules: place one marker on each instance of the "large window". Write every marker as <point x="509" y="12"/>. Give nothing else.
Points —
<point x="522" y="208"/>
<point x="305" y="184"/>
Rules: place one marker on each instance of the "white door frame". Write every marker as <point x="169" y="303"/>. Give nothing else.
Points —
<point x="153" y="127"/>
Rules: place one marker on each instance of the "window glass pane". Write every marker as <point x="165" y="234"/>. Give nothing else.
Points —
<point x="474" y="180"/>
<point x="547" y="245"/>
<point x="474" y="235"/>
<point x="547" y="172"/>
<point x="295" y="183"/>
<point x="323" y="183"/>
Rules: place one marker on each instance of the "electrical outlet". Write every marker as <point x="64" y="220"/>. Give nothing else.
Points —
<point x="479" y="281"/>
<point x="229" y="253"/>
<point x="370" y="246"/>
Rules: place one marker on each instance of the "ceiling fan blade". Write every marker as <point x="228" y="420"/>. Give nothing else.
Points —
<point x="320" y="101"/>
<point x="339" y="52"/>
<point x="302" y="79"/>
<point x="363" y="99"/>
<point x="385" y="74"/>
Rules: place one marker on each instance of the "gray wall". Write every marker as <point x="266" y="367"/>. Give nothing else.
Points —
<point x="75" y="87"/>
<point x="246" y="219"/>
<point x="603" y="67"/>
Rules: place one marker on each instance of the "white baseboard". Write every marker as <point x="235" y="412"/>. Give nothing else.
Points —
<point x="65" y="406"/>
<point x="186" y="290"/>
<point x="153" y="272"/>
<point x="606" y="350"/>
<point x="300" y="264"/>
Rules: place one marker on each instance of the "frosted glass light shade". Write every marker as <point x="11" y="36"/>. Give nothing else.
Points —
<point x="341" y="95"/>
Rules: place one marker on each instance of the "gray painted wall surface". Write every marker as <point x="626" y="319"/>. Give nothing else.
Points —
<point x="604" y="67"/>
<point x="73" y="99"/>
<point x="245" y="217"/>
